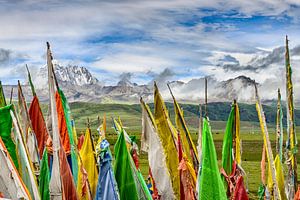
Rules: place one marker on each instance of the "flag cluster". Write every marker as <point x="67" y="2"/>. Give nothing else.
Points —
<point x="44" y="159"/>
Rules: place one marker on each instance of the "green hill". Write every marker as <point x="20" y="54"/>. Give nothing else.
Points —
<point x="131" y="114"/>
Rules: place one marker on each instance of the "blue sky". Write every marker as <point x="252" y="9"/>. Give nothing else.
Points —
<point x="144" y="38"/>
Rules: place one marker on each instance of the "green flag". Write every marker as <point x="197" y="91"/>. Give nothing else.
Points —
<point x="227" y="156"/>
<point x="5" y="133"/>
<point x="30" y="82"/>
<point x="44" y="178"/>
<point x="2" y="97"/>
<point x="210" y="182"/>
<point x="70" y="133"/>
<point x="123" y="171"/>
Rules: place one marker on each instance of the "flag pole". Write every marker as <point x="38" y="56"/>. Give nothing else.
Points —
<point x="206" y="112"/>
<point x="11" y="95"/>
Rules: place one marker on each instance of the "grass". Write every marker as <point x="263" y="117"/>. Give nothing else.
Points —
<point x="131" y="118"/>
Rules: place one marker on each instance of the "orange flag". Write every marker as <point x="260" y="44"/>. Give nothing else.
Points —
<point x="62" y="126"/>
<point x="38" y="124"/>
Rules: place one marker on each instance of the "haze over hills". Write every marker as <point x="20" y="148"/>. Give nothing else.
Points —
<point x="79" y="84"/>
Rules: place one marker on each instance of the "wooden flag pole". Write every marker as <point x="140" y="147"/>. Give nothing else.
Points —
<point x="11" y="95"/>
<point x="206" y="110"/>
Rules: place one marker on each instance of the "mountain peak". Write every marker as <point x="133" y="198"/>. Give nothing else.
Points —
<point x="244" y="79"/>
<point x="75" y="75"/>
<point x="70" y="75"/>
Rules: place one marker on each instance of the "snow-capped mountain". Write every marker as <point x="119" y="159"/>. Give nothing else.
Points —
<point x="79" y="84"/>
<point x="75" y="75"/>
<point x="70" y="75"/>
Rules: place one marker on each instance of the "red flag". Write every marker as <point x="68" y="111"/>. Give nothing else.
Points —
<point x="80" y="142"/>
<point x="38" y="124"/>
<point x="68" y="185"/>
<point x="62" y="126"/>
<point x="180" y="172"/>
<point x="240" y="192"/>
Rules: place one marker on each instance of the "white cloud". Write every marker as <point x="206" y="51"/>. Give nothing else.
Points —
<point x="164" y="41"/>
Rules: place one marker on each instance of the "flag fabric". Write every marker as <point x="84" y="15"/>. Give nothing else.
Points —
<point x="27" y="131"/>
<point x="151" y="143"/>
<point x="280" y="176"/>
<point x="89" y="163"/>
<point x="72" y="135"/>
<point x="227" y="148"/>
<point x="182" y="193"/>
<point x="132" y="148"/>
<point x="122" y="169"/>
<point x="187" y="175"/>
<point x="291" y="144"/>
<point x="30" y="82"/>
<point x="235" y="181"/>
<point x="188" y="179"/>
<point x="38" y="124"/>
<point x="187" y="142"/>
<point x="231" y="153"/>
<point x="44" y="178"/>
<point x="62" y="125"/>
<point x="240" y="192"/>
<point x="152" y="186"/>
<point x="26" y="169"/>
<point x="107" y="187"/>
<point x="199" y="140"/>
<point x="85" y="192"/>
<point x="56" y="191"/>
<point x="80" y="142"/>
<point x="168" y="137"/>
<point x="269" y="154"/>
<point x="238" y="148"/>
<point x="68" y="185"/>
<point x="5" y="133"/>
<point x="2" y="97"/>
<point x="12" y="187"/>
<point x="210" y="182"/>
<point x="279" y="127"/>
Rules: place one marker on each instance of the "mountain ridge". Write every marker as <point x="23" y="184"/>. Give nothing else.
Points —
<point x="79" y="84"/>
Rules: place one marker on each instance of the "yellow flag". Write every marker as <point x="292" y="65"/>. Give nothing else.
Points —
<point x="88" y="160"/>
<point x="238" y="156"/>
<point x="185" y="136"/>
<point x="280" y="176"/>
<point x="168" y="137"/>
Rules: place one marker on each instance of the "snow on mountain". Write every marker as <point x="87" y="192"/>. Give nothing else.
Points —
<point x="79" y="84"/>
<point x="75" y="75"/>
<point x="71" y="75"/>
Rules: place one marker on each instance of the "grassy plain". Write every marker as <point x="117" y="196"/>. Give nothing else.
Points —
<point x="131" y="118"/>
